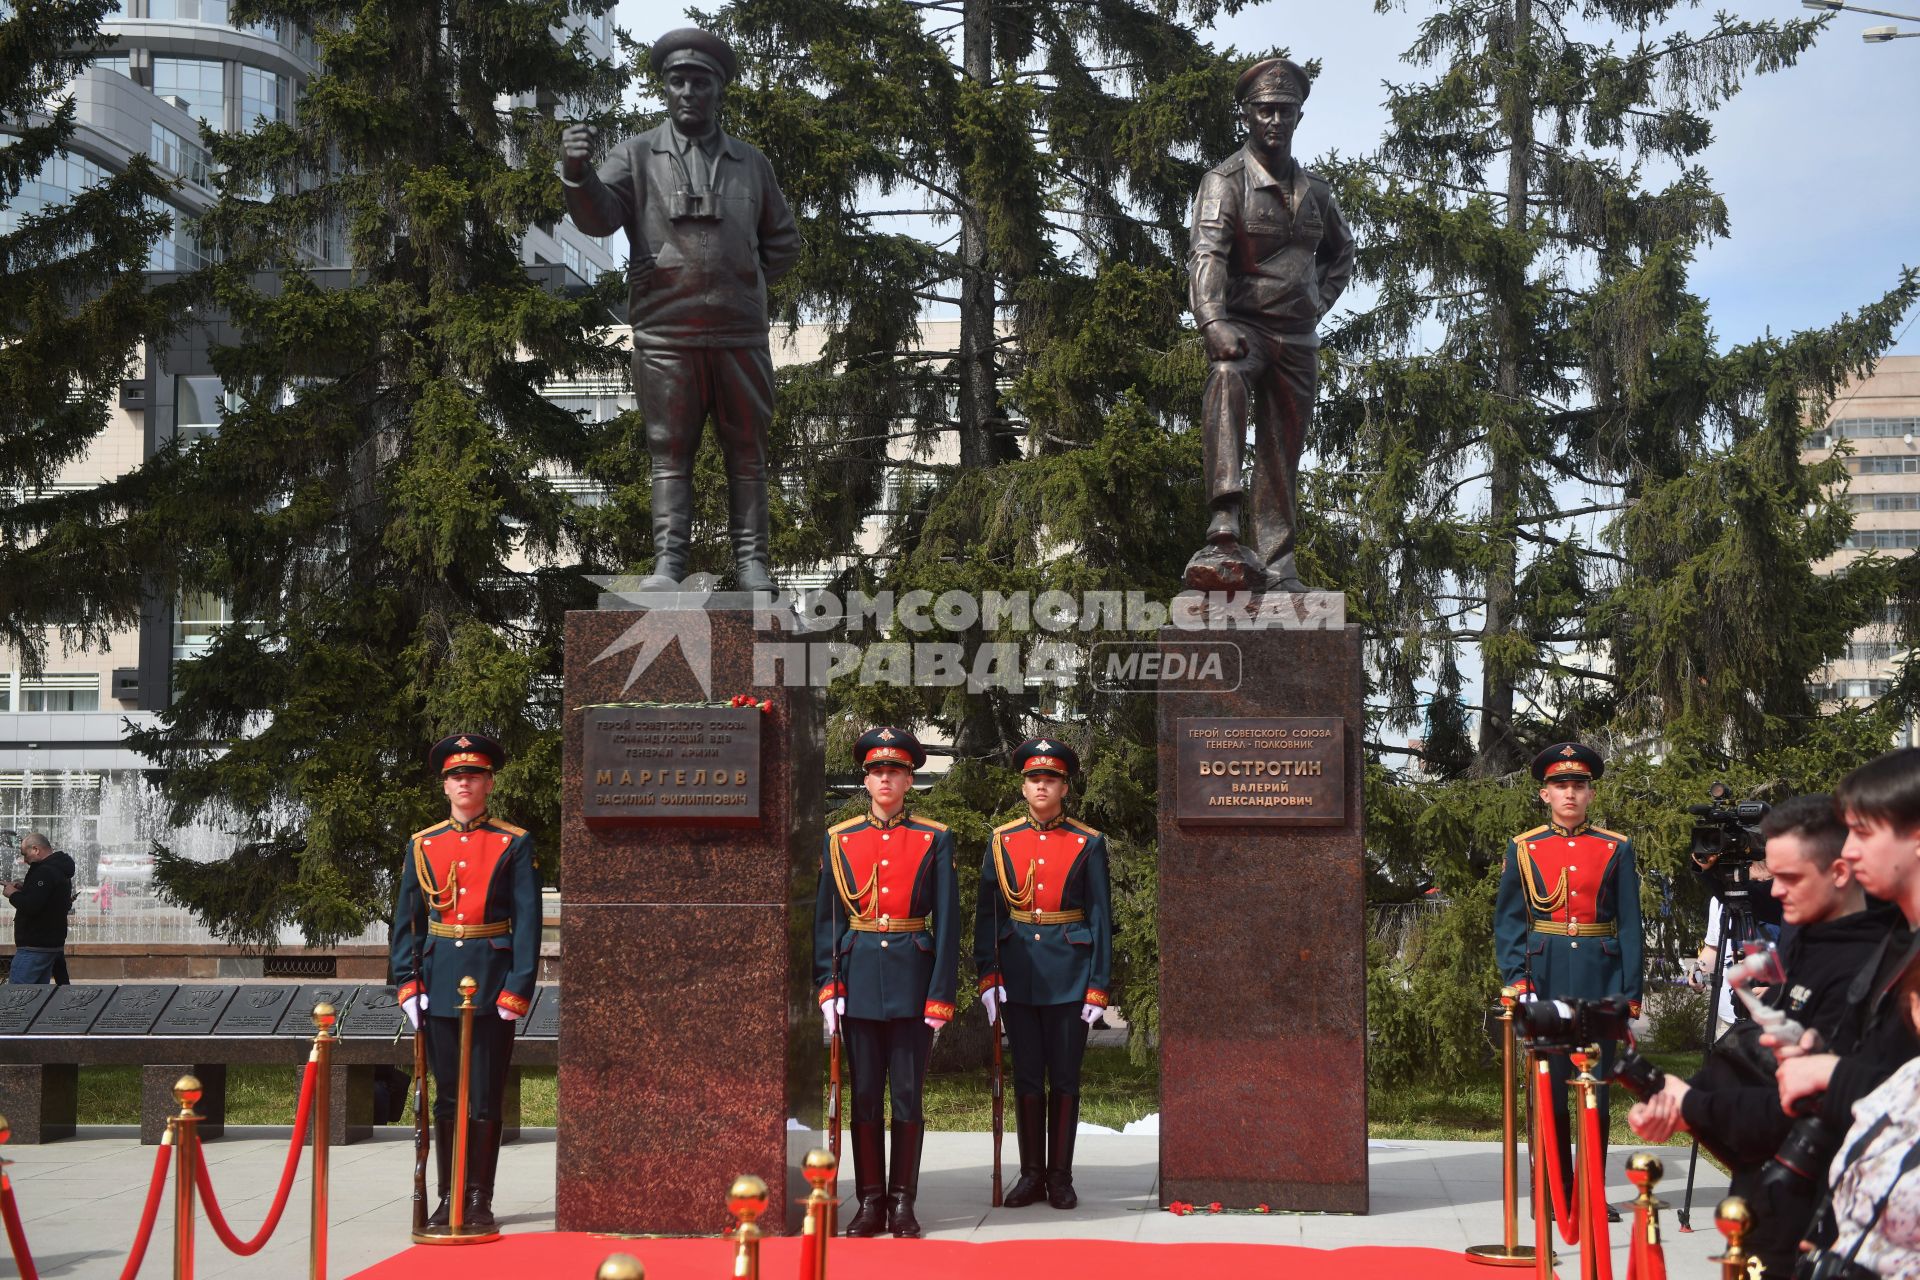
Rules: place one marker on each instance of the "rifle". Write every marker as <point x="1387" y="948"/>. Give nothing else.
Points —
<point x="420" y="1139"/>
<point x="833" y="1070"/>
<point x="998" y="1025"/>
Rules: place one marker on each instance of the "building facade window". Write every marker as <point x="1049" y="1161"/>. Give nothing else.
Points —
<point x="1884" y="466"/>
<point x="201" y="84"/>
<point x="199" y="403"/>
<point x="60" y="691"/>
<point x="1884" y="501"/>
<point x="177" y="155"/>
<point x="198" y="619"/>
<point x="263" y="95"/>
<point x="62" y="805"/>
<point x="1883" y="540"/>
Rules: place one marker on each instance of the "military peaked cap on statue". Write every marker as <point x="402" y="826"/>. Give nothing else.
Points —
<point x="1274" y="80"/>
<point x="1568" y="760"/>
<point x="1044" y="755"/>
<point x="466" y="753"/>
<point x="889" y="746"/>
<point x="703" y="48"/>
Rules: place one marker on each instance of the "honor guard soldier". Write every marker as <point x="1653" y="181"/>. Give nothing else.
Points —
<point x="469" y="907"/>
<point x="886" y="948"/>
<point x="1043" y="946"/>
<point x="1567" y="918"/>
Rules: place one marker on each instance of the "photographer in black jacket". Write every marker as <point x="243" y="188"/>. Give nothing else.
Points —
<point x="1733" y="1101"/>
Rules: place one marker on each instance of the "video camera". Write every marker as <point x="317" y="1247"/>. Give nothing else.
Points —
<point x="1728" y="831"/>
<point x="1567" y="1026"/>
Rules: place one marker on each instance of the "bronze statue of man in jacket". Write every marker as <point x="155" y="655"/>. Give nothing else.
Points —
<point x="708" y="232"/>
<point x="1270" y="255"/>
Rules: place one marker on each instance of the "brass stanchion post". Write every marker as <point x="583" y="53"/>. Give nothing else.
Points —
<point x="322" y="1121"/>
<point x="1734" y="1219"/>
<point x="820" y="1170"/>
<point x="747" y="1200"/>
<point x="1510" y="1253"/>
<point x="186" y="1150"/>
<point x="1644" y="1171"/>
<point x="621" y="1266"/>
<point x="457" y="1209"/>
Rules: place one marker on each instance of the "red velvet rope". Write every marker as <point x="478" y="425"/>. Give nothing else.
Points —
<point x="234" y="1243"/>
<point x="1593" y="1154"/>
<point x="1548" y="1157"/>
<point x="16" y="1234"/>
<point x="161" y="1159"/>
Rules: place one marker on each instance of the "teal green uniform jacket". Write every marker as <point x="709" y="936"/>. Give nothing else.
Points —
<point x="1552" y="876"/>
<point x="1062" y="869"/>
<point x="876" y="875"/>
<point x="478" y="875"/>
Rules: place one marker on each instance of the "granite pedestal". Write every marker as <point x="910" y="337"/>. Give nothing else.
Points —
<point x="689" y="1034"/>
<point x="1263" y="950"/>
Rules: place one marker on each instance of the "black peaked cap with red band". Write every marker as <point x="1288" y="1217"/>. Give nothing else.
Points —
<point x="466" y="752"/>
<point x="1568" y="760"/>
<point x="1046" y="755"/>
<point x="887" y="745"/>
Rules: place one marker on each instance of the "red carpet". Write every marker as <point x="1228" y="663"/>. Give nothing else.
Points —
<point x="577" y="1256"/>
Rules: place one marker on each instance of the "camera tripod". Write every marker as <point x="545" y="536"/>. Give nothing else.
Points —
<point x="1733" y="889"/>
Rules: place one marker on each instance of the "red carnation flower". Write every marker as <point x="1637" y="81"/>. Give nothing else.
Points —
<point x="1214" y="1207"/>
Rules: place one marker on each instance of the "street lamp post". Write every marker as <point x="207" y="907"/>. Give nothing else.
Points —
<point x="1872" y="35"/>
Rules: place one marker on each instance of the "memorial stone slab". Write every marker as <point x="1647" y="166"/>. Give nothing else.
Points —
<point x="254" y="1011"/>
<point x="298" y="1020"/>
<point x="19" y="1005"/>
<point x="133" y="1010"/>
<point x="193" y="1011"/>
<point x="374" y="1015"/>
<point x="73" y="1010"/>
<point x="543" y="1021"/>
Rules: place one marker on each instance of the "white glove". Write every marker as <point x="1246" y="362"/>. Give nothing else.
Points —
<point x="1528" y="997"/>
<point x="507" y="1014"/>
<point x="832" y="1011"/>
<point x="935" y="1023"/>
<point x="991" y="998"/>
<point x="1090" y="1013"/>
<point x="415" y="1007"/>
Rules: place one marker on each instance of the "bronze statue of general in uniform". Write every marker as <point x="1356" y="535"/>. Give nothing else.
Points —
<point x="708" y="232"/>
<point x="1270" y="256"/>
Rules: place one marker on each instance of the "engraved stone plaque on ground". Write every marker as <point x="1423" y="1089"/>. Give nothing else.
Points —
<point x="644" y="765"/>
<point x="298" y="1020"/>
<point x="133" y="1010"/>
<point x="254" y="1011"/>
<point x="72" y="1010"/>
<point x="543" y="1021"/>
<point x="373" y="1015"/>
<point x="193" y="1011"/>
<point x="18" y="1005"/>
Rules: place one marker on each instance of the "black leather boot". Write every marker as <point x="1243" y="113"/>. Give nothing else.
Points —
<point x="869" y="1178"/>
<point x="903" y="1181"/>
<point x="672" y="534"/>
<point x="443" y="1165"/>
<point x="1063" y="1123"/>
<point x="1030" y="1118"/>
<point x="483" y="1158"/>
<point x="747" y="526"/>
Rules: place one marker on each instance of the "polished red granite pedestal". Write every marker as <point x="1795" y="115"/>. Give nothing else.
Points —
<point x="688" y="1032"/>
<point x="1263" y="953"/>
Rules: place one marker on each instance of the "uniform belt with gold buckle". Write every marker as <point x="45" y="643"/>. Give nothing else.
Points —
<point x="1048" y="917"/>
<point x="1562" y="929"/>
<point x="889" y="924"/>
<point x="491" y="929"/>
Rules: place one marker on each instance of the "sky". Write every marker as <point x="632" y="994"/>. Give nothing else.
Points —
<point x="1820" y="176"/>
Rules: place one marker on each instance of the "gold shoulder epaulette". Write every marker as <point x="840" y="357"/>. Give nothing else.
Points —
<point x="1081" y="827"/>
<point x="1611" y="835"/>
<point x="1005" y="827"/>
<point x="927" y="822"/>
<point x="848" y="824"/>
<point x="508" y="827"/>
<point x="426" y="831"/>
<point x="1534" y="832"/>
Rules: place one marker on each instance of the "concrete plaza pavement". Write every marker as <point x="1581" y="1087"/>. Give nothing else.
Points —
<point x="81" y="1198"/>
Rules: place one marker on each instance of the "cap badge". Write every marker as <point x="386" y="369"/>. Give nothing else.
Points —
<point x="463" y="741"/>
<point x="886" y="735"/>
<point x="1044" y="745"/>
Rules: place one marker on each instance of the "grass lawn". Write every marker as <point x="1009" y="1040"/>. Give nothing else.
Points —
<point x="1115" y="1093"/>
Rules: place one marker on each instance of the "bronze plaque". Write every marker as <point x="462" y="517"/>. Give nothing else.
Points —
<point x="1261" y="772"/>
<point x="646" y="765"/>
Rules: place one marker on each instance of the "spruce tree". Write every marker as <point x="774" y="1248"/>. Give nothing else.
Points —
<point x="378" y="505"/>
<point x="1568" y="477"/>
<point x="74" y="308"/>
